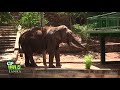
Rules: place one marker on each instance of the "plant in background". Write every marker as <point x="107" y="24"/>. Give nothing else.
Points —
<point x="30" y="19"/>
<point x="5" y="18"/>
<point x="82" y="30"/>
<point x="88" y="61"/>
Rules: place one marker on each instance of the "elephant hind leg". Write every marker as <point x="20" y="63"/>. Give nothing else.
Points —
<point x="51" y="57"/>
<point x="57" y="57"/>
<point x="44" y="59"/>
<point x="33" y="64"/>
<point x="29" y="61"/>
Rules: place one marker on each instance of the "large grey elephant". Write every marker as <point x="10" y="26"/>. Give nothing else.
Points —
<point x="46" y="39"/>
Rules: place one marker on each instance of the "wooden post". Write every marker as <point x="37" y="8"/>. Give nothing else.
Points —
<point x="70" y="22"/>
<point x="41" y="19"/>
<point x="102" y="46"/>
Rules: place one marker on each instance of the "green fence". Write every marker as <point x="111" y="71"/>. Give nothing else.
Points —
<point x="109" y="21"/>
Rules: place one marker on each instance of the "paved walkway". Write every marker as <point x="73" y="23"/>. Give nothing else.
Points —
<point x="72" y="67"/>
<point x="6" y="56"/>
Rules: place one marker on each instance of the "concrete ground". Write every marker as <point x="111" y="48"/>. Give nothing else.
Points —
<point x="72" y="67"/>
<point x="75" y="61"/>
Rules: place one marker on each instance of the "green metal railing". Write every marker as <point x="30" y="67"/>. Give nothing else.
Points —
<point x="108" y="25"/>
<point x="106" y="21"/>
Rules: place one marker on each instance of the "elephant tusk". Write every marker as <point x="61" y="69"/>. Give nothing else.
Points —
<point x="71" y="44"/>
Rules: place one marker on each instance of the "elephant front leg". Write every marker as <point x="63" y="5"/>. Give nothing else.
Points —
<point x="57" y="57"/>
<point x="33" y="64"/>
<point x="27" y="63"/>
<point x="44" y="59"/>
<point x="51" y="57"/>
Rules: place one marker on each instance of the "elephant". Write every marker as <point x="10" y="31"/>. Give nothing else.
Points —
<point x="46" y="40"/>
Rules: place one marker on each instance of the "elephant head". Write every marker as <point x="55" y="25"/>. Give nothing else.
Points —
<point x="57" y="35"/>
<point x="65" y="35"/>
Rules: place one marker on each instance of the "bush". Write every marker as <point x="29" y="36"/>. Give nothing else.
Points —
<point x="82" y="30"/>
<point x="88" y="61"/>
<point x="5" y="18"/>
<point x="30" y="19"/>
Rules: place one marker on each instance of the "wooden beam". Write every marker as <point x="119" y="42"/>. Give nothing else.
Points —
<point x="102" y="46"/>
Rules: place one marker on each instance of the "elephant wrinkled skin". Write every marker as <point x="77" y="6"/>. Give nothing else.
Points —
<point x="46" y="39"/>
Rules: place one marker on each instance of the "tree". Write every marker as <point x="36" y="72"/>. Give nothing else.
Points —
<point x="31" y="19"/>
<point x="5" y="18"/>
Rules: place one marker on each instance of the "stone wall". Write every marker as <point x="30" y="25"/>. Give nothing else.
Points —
<point x="112" y="45"/>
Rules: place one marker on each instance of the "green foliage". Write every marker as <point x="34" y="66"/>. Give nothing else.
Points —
<point x="82" y="30"/>
<point x="5" y="18"/>
<point x="30" y="19"/>
<point x="88" y="60"/>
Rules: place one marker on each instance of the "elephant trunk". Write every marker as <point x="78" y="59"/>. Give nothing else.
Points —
<point x="75" y="43"/>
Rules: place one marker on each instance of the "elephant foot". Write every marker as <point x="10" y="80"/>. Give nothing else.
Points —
<point x="34" y="65"/>
<point x="30" y="65"/>
<point x="51" y="66"/>
<point x="45" y="66"/>
<point x="58" y="66"/>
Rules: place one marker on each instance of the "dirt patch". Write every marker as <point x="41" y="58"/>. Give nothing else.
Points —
<point x="75" y="61"/>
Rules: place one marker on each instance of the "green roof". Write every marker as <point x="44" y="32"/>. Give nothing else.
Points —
<point x="112" y="14"/>
<point x="104" y="21"/>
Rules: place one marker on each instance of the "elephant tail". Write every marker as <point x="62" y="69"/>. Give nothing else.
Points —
<point x="20" y="49"/>
<point x="19" y="45"/>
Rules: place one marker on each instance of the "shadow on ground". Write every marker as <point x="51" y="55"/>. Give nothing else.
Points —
<point x="107" y="65"/>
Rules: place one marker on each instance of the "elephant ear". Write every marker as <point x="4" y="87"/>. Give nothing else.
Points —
<point x="60" y="32"/>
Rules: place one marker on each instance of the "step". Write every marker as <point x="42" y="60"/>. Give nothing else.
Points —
<point x="11" y="32"/>
<point x="112" y="43"/>
<point x="3" y="32"/>
<point x="7" y="44"/>
<point x="7" y="27"/>
<point x="7" y="41"/>
<point x="107" y="44"/>
<point x="8" y="37"/>
<point x="7" y="34"/>
<point x="7" y="50"/>
<point x="93" y="41"/>
<point x="2" y="41"/>
<point x="109" y="47"/>
<point x="6" y="47"/>
<point x="4" y="51"/>
<point x="4" y="57"/>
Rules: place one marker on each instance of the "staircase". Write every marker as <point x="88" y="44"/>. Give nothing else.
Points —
<point x="112" y="44"/>
<point x="7" y="41"/>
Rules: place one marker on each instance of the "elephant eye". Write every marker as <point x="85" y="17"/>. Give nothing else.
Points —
<point x="65" y="28"/>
